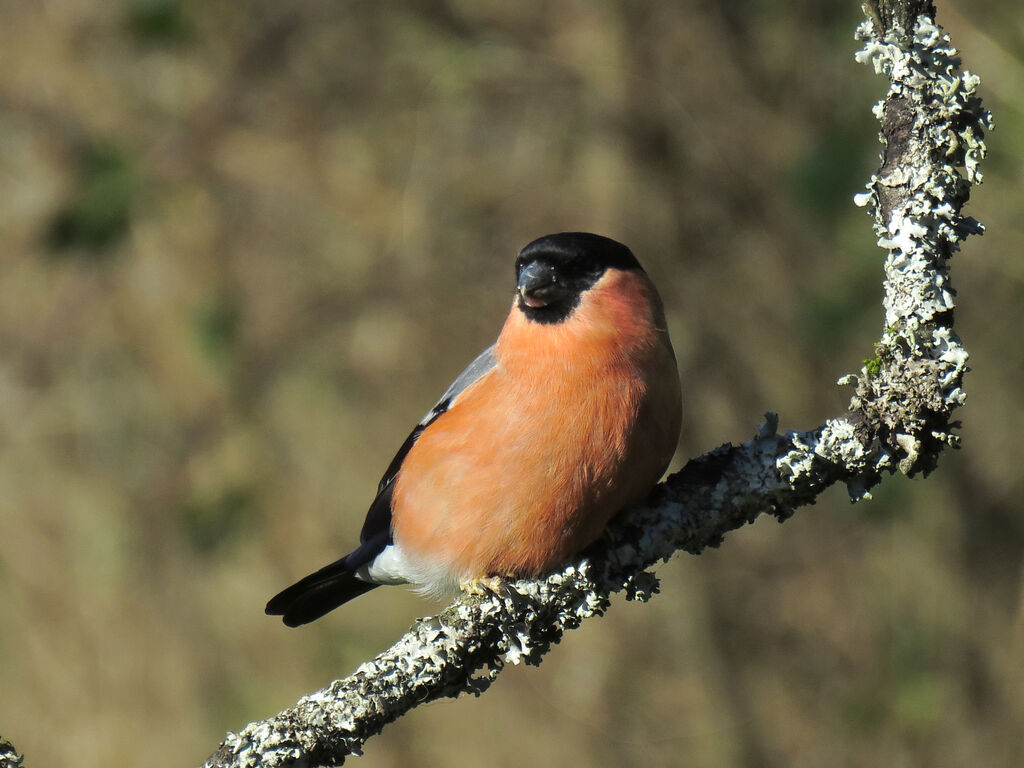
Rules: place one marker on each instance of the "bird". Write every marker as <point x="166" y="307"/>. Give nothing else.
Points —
<point x="572" y="415"/>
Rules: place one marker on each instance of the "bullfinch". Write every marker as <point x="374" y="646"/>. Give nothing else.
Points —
<point x="570" y="416"/>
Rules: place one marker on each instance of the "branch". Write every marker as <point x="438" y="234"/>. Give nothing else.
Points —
<point x="932" y="125"/>
<point x="9" y="757"/>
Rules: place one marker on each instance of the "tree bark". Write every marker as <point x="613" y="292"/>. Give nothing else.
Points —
<point x="9" y="757"/>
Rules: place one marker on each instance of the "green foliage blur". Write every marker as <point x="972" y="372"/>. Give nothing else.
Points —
<point x="245" y="245"/>
<point x="98" y="210"/>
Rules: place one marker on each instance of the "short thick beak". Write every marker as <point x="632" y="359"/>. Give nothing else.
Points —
<point x="538" y="285"/>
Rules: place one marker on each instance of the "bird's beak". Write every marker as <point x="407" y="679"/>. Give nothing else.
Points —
<point x="539" y="286"/>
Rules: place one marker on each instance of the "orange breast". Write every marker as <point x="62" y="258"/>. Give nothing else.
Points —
<point x="577" y="420"/>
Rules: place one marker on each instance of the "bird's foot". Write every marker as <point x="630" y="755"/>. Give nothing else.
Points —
<point x="482" y="586"/>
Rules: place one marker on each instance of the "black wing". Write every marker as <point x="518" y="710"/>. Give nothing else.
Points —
<point x="334" y="584"/>
<point x="378" y="517"/>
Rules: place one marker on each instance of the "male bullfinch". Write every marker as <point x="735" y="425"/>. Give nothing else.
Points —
<point x="570" y="416"/>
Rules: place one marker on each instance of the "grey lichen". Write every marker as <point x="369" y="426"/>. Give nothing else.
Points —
<point x="9" y="757"/>
<point x="461" y="650"/>
<point x="899" y="419"/>
<point x="933" y="125"/>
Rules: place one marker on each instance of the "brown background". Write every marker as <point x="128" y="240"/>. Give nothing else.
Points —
<point x="244" y="246"/>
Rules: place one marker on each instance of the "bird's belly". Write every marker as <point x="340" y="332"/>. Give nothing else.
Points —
<point x="513" y="483"/>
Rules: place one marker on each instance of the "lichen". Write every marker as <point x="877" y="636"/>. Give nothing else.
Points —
<point x="9" y="757"/>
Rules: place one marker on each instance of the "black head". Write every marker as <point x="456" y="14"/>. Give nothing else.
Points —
<point x="553" y="271"/>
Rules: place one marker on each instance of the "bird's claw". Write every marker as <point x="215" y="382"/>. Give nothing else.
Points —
<point x="482" y="587"/>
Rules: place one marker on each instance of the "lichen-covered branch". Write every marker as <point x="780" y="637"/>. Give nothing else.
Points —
<point x="899" y="419"/>
<point x="9" y="757"/>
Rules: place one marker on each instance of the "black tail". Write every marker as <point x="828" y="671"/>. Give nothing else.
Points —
<point x="317" y="594"/>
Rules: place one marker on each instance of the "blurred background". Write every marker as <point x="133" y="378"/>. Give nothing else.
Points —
<point x="244" y="246"/>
